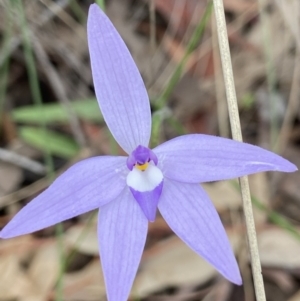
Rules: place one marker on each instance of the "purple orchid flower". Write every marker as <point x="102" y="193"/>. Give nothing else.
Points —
<point x="130" y="189"/>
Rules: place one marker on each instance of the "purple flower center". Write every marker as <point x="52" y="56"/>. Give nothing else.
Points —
<point x="140" y="158"/>
<point x="145" y="180"/>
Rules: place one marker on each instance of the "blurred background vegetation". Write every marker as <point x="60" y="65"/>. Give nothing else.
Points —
<point x="49" y="119"/>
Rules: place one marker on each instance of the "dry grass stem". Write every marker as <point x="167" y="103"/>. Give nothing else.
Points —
<point x="59" y="11"/>
<point x="60" y="92"/>
<point x="22" y="161"/>
<point x="195" y="57"/>
<point x="294" y="28"/>
<point x="162" y="79"/>
<point x="219" y="85"/>
<point x="293" y="105"/>
<point x="237" y="135"/>
<point x="40" y="184"/>
<point x="152" y="34"/>
<point x="292" y="108"/>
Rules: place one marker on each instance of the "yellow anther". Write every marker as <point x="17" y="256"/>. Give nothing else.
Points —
<point x="142" y="167"/>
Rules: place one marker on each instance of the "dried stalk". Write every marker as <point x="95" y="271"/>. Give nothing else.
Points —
<point x="237" y="135"/>
<point x="222" y="111"/>
<point x="22" y="161"/>
<point x="59" y="90"/>
<point x="292" y="108"/>
<point x="42" y="183"/>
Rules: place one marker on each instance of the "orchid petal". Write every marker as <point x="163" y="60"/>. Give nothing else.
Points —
<point x="203" y="158"/>
<point x="120" y="90"/>
<point x="148" y="200"/>
<point x="85" y="186"/>
<point x="122" y="230"/>
<point x="146" y="187"/>
<point x="191" y="215"/>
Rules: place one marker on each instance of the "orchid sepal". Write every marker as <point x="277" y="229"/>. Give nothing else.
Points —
<point x="198" y="158"/>
<point x="119" y="87"/>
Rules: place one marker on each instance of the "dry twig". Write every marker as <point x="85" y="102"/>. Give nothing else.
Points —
<point x="237" y="135"/>
<point x="60" y="92"/>
<point x="22" y="161"/>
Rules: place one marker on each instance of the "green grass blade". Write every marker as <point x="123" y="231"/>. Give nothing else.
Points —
<point x="37" y="99"/>
<point x="78" y="11"/>
<point x="101" y="3"/>
<point x="53" y="142"/>
<point x="274" y="217"/>
<point x="5" y="52"/>
<point x="197" y="34"/>
<point x="86" y="109"/>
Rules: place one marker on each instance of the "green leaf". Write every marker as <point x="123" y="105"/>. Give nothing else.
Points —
<point x="57" y="144"/>
<point x="248" y="101"/>
<point x="87" y="109"/>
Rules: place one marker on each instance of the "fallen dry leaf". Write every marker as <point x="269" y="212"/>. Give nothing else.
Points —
<point x="260" y="190"/>
<point x="19" y="246"/>
<point x="83" y="239"/>
<point x="220" y="292"/>
<point x="278" y="248"/>
<point x="44" y="268"/>
<point x="170" y="263"/>
<point x="295" y="297"/>
<point x="240" y="6"/>
<point x="173" y="263"/>
<point x="87" y="284"/>
<point x="10" y="177"/>
<point x="223" y="195"/>
<point x="14" y="282"/>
